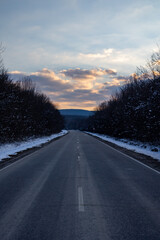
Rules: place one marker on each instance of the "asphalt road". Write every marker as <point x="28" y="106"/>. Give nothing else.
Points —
<point x="79" y="188"/>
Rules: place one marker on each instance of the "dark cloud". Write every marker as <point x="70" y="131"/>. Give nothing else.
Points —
<point x="87" y="74"/>
<point x="122" y="78"/>
<point x="81" y="95"/>
<point x="108" y="91"/>
<point x="45" y="79"/>
<point x="51" y="85"/>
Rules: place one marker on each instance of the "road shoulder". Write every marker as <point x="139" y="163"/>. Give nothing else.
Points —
<point x="13" y="158"/>
<point x="147" y="160"/>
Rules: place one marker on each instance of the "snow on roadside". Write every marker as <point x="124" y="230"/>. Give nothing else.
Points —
<point x="139" y="147"/>
<point x="13" y="148"/>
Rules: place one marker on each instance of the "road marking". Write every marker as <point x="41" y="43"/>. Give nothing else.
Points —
<point x="30" y="154"/>
<point x="145" y="165"/>
<point x="78" y="160"/>
<point x="15" y="162"/>
<point x="80" y="199"/>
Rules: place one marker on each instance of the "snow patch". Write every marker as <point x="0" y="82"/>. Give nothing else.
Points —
<point x="137" y="146"/>
<point x="13" y="148"/>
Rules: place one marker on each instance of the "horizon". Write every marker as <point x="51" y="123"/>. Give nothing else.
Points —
<point x="78" y="53"/>
<point x="76" y="109"/>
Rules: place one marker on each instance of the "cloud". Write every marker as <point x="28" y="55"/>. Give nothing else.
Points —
<point x="84" y="99"/>
<point x="71" y="33"/>
<point x="114" y="81"/>
<point x="109" y="55"/>
<point x="87" y="74"/>
<point x="46" y="80"/>
<point x="123" y="60"/>
<point x="111" y="86"/>
<point x="75" y="88"/>
<point x="85" y="78"/>
<point x="88" y="105"/>
<point x="81" y="95"/>
<point x="17" y="75"/>
<point x="102" y="55"/>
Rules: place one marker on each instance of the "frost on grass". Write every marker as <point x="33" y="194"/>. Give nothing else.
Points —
<point x="6" y="150"/>
<point x="137" y="146"/>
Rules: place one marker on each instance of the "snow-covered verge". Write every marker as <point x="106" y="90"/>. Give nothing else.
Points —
<point x="139" y="147"/>
<point x="13" y="148"/>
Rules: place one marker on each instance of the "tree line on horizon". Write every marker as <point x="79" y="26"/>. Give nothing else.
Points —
<point x="24" y="112"/>
<point x="134" y="111"/>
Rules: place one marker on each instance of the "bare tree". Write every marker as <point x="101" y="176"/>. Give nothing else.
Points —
<point x="152" y="68"/>
<point x="154" y="64"/>
<point x="27" y="84"/>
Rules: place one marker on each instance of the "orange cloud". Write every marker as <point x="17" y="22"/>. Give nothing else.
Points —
<point x="49" y="74"/>
<point x="84" y="78"/>
<point x="76" y="88"/>
<point x="87" y="105"/>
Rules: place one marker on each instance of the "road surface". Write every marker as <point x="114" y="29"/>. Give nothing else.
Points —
<point x="78" y="188"/>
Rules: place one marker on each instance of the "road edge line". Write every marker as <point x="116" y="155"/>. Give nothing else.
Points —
<point x="143" y="164"/>
<point x="35" y="149"/>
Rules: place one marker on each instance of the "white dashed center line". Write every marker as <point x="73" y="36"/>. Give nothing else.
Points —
<point x="80" y="199"/>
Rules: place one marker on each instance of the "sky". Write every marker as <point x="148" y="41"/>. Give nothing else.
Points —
<point x="78" y="52"/>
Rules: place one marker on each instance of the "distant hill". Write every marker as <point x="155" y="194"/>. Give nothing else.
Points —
<point x="75" y="118"/>
<point x="76" y="112"/>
